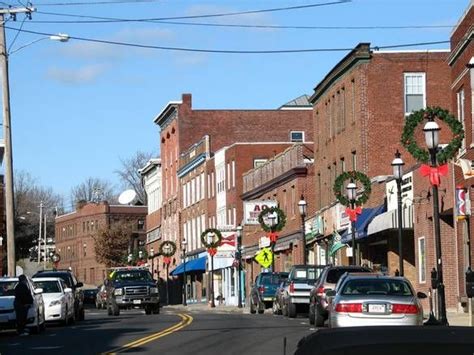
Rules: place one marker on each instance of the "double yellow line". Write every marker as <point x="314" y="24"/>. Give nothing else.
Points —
<point x="185" y="321"/>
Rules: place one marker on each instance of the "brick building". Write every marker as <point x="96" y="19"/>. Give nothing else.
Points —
<point x="74" y="236"/>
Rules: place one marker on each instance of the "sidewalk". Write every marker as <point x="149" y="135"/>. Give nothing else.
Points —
<point x="204" y="307"/>
<point x="459" y="319"/>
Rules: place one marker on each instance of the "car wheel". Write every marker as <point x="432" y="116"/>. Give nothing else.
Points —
<point x="115" y="310"/>
<point x="252" y="308"/>
<point x="311" y="313"/>
<point x="291" y="310"/>
<point x="147" y="310"/>
<point x="284" y="310"/>
<point x="156" y="309"/>
<point x="318" y="318"/>
<point x="109" y="310"/>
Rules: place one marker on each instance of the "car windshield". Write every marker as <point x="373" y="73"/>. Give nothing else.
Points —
<point x="306" y="274"/>
<point x="271" y="279"/>
<point x="132" y="276"/>
<point x="7" y="288"/>
<point x="48" y="286"/>
<point x="389" y="287"/>
<point x="335" y="274"/>
<point x="66" y="278"/>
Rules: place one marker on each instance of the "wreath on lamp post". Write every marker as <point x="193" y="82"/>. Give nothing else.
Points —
<point x="216" y="240"/>
<point x="422" y="155"/>
<point x="353" y="176"/>
<point x="281" y="219"/>
<point x="167" y="248"/>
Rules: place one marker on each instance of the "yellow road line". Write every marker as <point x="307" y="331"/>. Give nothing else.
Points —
<point x="185" y="321"/>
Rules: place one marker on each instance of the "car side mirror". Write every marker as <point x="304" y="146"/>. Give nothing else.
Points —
<point x="421" y="295"/>
<point x="329" y="292"/>
<point x="79" y="284"/>
<point x="38" y="291"/>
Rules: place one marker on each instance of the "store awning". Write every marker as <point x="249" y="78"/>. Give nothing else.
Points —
<point x="389" y="220"/>
<point x="363" y="221"/>
<point x="191" y="265"/>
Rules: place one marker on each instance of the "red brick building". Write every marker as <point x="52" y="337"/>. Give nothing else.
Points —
<point x="74" y="231"/>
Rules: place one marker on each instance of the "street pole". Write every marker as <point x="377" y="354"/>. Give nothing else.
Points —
<point x="303" y="233"/>
<point x="273" y="251"/>
<point x="213" y="304"/>
<point x="400" y="227"/>
<point x="239" y="266"/>
<point x="44" y="243"/>
<point x="167" y="284"/>
<point x="184" y="277"/>
<point x="353" y="232"/>
<point x="39" y="232"/>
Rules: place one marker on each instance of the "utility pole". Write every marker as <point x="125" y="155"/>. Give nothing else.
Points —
<point x="39" y="233"/>
<point x="7" y="136"/>
<point x="45" y="244"/>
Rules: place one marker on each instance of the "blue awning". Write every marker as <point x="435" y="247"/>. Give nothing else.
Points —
<point x="191" y="265"/>
<point x="363" y="220"/>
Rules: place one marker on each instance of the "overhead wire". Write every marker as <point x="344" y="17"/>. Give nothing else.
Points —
<point x="95" y="2"/>
<point x="16" y="35"/>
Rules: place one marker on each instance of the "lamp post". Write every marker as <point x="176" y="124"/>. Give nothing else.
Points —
<point x="129" y="258"/>
<point x="239" y="266"/>
<point x="272" y="219"/>
<point x="397" y="165"/>
<point x="151" y="255"/>
<point x="183" y="245"/>
<point x="351" y="191"/>
<point x="302" y="208"/>
<point x="431" y="130"/>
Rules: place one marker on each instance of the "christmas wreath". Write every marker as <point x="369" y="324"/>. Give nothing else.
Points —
<point x="281" y="219"/>
<point x="353" y="176"/>
<point x="216" y="241"/>
<point x="168" y="248"/>
<point x="422" y="155"/>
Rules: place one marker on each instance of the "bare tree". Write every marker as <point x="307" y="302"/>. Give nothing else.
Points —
<point x="129" y="175"/>
<point x="93" y="190"/>
<point x="111" y="244"/>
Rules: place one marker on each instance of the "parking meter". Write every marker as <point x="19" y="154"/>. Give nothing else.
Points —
<point x="470" y="283"/>
<point x="434" y="279"/>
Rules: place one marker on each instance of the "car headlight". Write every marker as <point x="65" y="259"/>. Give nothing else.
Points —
<point x="118" y="292"/>
<point x="55" y="303"/>
<point x="153" y="289"/>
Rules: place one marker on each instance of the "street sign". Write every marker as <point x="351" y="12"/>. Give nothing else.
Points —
<point x="264" y="257"/>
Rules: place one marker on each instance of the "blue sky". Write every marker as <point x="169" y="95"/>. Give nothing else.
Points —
<point x="78" y="107"/>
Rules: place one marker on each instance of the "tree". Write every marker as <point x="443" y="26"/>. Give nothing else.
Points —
<point x="93" y="190"/>
<point x="111" y="244"/>
<point x="130" y="176"/>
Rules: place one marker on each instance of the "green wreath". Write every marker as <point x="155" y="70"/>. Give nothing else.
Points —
<point x="281" y="219"/>
<point x="216" y="242"/>
<point x="353" y="176"/>
<point x="422" y="155"/>
<point x="171" y="248"/>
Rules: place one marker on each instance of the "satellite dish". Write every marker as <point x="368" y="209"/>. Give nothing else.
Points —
<point x="127" y="197"/>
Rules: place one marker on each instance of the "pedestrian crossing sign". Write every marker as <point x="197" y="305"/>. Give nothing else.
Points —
<point x="264" y="257"/>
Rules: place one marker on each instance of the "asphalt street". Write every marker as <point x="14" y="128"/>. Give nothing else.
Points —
<point x="170" y="332"/>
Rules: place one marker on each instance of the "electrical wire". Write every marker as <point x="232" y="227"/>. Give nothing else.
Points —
<point x="16" y="35"/>
<point x="95" y="3"/>
<point x="218" y="51"/>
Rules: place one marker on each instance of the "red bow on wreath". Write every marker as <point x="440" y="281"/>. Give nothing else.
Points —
<point x="434" y="173"/>
<point x="352" y="213"/>
<point x="167" y="260"/>
<point x="273" y="237"/>
<point x="212" y="251"/>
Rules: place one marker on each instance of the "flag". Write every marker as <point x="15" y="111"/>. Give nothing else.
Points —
<point x="336" y="243"/>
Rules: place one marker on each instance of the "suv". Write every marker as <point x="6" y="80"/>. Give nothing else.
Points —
<point x="128" y="287"/>
<point x="262" y="294"/>
<point x="330" y="276"/>
<point x="68" y="277"/>
<point x="296" y="292"/>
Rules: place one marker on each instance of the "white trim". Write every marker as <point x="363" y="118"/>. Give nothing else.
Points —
<point x="414" y="51"/>
<point x="296" y="108"/>
<point x="419" y="260"/>
<point x="405" y="75"/>
<point x="291" y="139"/>
<point x="168" y="105"/>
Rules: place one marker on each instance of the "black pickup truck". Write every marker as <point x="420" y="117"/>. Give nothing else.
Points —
<point x="131" y="287"/>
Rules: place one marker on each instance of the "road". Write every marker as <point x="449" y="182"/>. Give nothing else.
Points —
<point x="170" y="332"/>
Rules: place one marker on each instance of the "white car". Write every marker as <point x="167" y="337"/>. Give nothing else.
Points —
<point x="36" y="318"/>
<point x="58" y="299"/>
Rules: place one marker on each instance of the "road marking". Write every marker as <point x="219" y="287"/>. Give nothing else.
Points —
<point x="186" y="320"/>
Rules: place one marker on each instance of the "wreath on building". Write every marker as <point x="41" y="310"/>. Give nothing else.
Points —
<point x="168" y="248"/>
<point x="215" y="241"/>
<point x="281" y="219"/>
<point x="353" y="176"/>
<point x="422" y="155"/>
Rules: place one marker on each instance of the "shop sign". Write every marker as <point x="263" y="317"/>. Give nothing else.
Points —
<point x="252" y="210"/>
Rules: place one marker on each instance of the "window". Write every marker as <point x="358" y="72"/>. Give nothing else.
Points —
<point x="353" y="100"/>
<point x="208" y="186"/>
<point x="228" y="176"/>
<point x="421" y="260"/>
<point x="343" y="165"/>
<point x="297" y="136"/>
<point x="354" y="160"/>
<point x="202" y="186"/>
<point x="185" y="196"/>
<point x="259" y="162"/>
<point x="415" y="93"/>
<point x="461" y="117"/>
<point x="233" y="173"/>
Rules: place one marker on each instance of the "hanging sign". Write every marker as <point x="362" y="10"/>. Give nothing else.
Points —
<point x="461" y="210"/>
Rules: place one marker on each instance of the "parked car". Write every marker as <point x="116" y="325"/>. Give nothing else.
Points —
<point x="278" y="303"/>
<point x="90" y="295"/>
<point x="58" y="299"/>
<point x="101" y="298"/>
<point x="36" y="316"/>
<point x="262" y="293"/>
<point x="71" y="282"/>
<point x="374" y="300"/>
<point x="296" y="293"/>
<point x="330" y="276"/>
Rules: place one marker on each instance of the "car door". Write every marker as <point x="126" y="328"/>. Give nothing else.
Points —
<point x="68" y="296"/>
<point x="38" y="303"/>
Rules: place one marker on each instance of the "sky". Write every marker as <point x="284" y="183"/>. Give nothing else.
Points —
<point x="80" y="107"/>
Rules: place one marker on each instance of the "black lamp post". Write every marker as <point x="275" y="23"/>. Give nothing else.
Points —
<point x="151" y="255"/>
<point x="272" y="222"/>
<point x="431" y="130"/>
<point x="302" y="208"/>
<point x="239" y="267"/>
<point x="210" y="239"/>
<point x="351" y="190"/>
<point x="183" y="245"/>
<point x="397" y="165"/>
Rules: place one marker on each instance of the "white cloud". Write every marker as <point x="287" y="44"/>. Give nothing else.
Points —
<point x="83" y="75"/>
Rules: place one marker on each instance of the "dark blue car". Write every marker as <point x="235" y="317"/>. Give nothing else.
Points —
<point x="263" y="291"/>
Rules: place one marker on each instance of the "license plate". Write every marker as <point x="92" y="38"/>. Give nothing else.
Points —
<point x="377" y="308"/>
<point x="137" y="301"/>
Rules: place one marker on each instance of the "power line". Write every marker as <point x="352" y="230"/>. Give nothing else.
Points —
<point x="94" y="2"/>
<point x="218" y="51"/>
<point x="225" y="14"/>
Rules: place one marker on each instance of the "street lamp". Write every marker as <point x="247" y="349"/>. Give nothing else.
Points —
<point x="431" y="130"/>
<point x="351" y="191"/>
<point x="151" y="255"/>
<point x="239" y="266"/>
<point x="302" y="208"/>
<point x="272" y="219"/>
<point x="183" y="245"/>
<point x="397" y="165"/>
<point x="129" y="258"/>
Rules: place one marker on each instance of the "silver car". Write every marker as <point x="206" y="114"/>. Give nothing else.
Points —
<point x="374" y="300"/>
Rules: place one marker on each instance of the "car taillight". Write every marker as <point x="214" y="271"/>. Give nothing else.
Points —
<point x="292" y="287"/>
<point x="320" y="291"/>
<point x="349" y="307"/>
<point x="261" y="289"/>
<point x="405" y="308"/>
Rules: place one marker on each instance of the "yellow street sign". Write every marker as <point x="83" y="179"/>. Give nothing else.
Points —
<point x="264" y="257"/>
